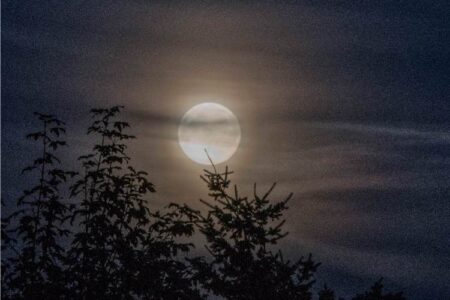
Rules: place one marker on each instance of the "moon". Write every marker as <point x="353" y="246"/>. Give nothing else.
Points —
<point x="212" y="127"/>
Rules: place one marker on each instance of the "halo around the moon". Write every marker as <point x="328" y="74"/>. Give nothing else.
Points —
<point x="211" y="127"/>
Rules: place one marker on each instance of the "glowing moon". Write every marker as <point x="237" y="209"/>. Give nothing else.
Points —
<point x="209" y="126"/>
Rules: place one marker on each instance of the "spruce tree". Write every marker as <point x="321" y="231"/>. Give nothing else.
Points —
<point x="241" y="234"/>
<point x="326" y="294"/>
<point x="376" y="293"/>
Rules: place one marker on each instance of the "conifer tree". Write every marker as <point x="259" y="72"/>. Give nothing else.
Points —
<point x="376" y="293"/>
<point x="241" y="234"/>
<point x="326" y="294"/>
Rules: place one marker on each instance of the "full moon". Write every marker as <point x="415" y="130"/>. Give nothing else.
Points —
<point x="211" y="127"/>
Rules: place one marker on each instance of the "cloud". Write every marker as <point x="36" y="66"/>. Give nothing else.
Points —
<point x="436" y="136"/>
<point x="344" y="104"/>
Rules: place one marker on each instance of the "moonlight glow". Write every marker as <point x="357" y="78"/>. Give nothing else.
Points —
<point x="209" y="126"/>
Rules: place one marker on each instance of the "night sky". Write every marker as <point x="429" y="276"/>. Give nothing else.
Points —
<point x="346" y="105"/>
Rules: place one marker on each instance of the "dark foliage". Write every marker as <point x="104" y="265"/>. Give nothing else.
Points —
<point x="239" y="233"/>
<point x="108" y="244"/>
<point x="326" y="294"/>
<point x="376" y="293"/>
<point x="37" y="269"/>
<point x="122" y="250"/>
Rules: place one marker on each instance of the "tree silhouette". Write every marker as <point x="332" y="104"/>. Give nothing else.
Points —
<point x="99" y="215"/>
<point x="376" y="293"/>
<point x="326" y="294"/>
<point x="7" y="244"/>
<point x="240" y="232"/>
<point x="38" y="266"/>
<point x="116" y="247"/>
<point x="123" y="250"/>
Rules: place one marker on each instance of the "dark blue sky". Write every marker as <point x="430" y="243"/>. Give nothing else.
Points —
<point x="347" y="105"/>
